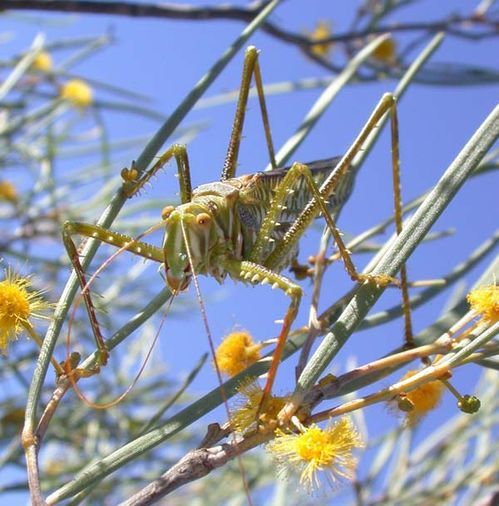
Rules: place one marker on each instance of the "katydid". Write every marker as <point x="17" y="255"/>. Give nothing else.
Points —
<point x="247" y="227"/>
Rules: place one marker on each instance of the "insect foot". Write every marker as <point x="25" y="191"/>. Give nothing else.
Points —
<point x="130" y="180"/>
<point x="301" y="271"/>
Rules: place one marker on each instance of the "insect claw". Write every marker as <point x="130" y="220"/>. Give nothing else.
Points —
<point x="265" y="281"/>
<point x="255" y="278"/>
<point x="275" y="285"/>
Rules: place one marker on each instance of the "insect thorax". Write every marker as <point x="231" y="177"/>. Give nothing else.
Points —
<point x="239" y="207"/>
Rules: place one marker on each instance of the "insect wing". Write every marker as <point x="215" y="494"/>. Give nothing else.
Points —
<point x="258" y="193"/>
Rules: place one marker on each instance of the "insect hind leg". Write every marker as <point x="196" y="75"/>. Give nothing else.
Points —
<point x="251" y="68"/>
<point x="387" y="105"/>
<point x="251" y="272"/>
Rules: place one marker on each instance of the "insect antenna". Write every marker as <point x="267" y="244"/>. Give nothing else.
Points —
<point x="73" y="373"/>
<point x="223" y="393"/>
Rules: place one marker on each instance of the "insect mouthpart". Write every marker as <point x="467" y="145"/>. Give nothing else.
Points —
<point x="178" y="284"/>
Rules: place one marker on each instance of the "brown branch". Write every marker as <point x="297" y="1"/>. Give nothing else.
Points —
<point x="196" y="464"/>
<point x="163" y="10"/>
<point x="188" y="12"/>
<point x="457" y="26"/>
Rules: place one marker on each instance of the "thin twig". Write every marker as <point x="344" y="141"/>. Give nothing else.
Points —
<point x="458" y="26"/>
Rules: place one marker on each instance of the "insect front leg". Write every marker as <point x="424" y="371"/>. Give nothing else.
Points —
<point x="132" y="182"/>
<point x="254" y="273"/>
<point x="71" y="228"/>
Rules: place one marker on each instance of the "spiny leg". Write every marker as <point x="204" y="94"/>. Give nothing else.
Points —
<point x="387" y="104"/>
<point x="251" y="68"/>
<point x="397" y="199"/>
<point x="282" y="194"/>
<point x="252" y="272"/>
<point x="114" y="238"/>
<point x="132" y="183"/>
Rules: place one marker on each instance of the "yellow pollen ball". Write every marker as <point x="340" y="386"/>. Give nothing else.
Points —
<point x="14" y="302"/>
<point x="315" y="450"/>
<point x="423" y="398"/>
<point x="17" y="304"/>
<point x="322" y="31"/>
<point x="386" y="52"/>
<point x="77" y="92"/>
<point x="14" y="309"/>
<point x="8" y="191"/>
<point x="312" y="445"/>
<point x="42" y="62"/>
<point x="485" y="301"/>
<point x="245" y="415"/>
<point x="237" y="352"/>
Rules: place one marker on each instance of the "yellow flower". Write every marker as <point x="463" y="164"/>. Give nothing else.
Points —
<point x="485" y="301"/>
<point x="77" y="92"/>
<point x="42" y="62"/>
<point x="315" y="449"/>
<point x="422" y="399"/>
<point x="386" y="52"/>
<point x="245" y="415"/>
<point x="322" y="30"/>
<point x="237" y="352"/>
<point x="8" y="192"/>
<point x="17" y="305"/>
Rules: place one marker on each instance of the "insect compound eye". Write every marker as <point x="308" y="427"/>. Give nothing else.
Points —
<point x="167" y="210"/>
<point x="203" y="219"/>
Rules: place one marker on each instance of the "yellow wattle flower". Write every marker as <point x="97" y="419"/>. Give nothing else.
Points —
<point x="322" y="30"/>
<point x="237" y="352"/>
<point x="314" y="449"/>
<point x="422" y="399"/>
<point x="244" y="416"/>
<point x="8" y="192"/>
<point x="485" y="301"/>
<point x="42" y="62"/>
<point x="17" y="305"/>
<point x="386" y="52"/>
<point x="77" y="92"/>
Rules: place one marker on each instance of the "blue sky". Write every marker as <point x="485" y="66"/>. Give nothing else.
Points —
<point x="163" y="59"/>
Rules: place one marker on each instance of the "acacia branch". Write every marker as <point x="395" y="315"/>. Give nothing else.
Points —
<point x="458" y="26"/>
<point x="194" y="465"/>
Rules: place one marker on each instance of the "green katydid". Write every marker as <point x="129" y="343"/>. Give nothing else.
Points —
<point x="247" y="227"/>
